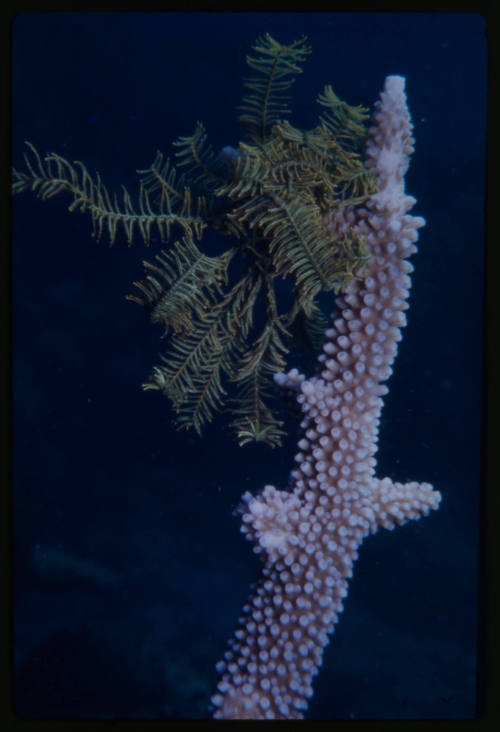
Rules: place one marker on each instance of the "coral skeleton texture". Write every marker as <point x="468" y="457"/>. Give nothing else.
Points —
<point x="309" y="537"/>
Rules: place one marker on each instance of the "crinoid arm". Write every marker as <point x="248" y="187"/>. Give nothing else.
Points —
<point x="202" y="358"/>
<point x="277" y="66"/>
<point x="255" y="420"/>
<point x="183" y="286"/>
<point x="54" y="174"/>
<point x="203" y="166"/>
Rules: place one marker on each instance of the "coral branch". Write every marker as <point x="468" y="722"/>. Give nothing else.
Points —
<point x="309" y="538"/>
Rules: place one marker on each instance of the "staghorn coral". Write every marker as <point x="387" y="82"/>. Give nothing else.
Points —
<point x="309" y="537"/>
<point x="272" y="197"/>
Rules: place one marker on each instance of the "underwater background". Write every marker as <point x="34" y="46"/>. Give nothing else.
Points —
<point x="129" y="570"/>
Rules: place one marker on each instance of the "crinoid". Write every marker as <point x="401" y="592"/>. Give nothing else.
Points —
<point x="273" y="198"/>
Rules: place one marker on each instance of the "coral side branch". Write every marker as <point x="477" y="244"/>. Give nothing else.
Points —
<point x="309" y="538"/>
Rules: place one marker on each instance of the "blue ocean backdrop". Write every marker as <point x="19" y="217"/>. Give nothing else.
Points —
<point x="129" y="570"/>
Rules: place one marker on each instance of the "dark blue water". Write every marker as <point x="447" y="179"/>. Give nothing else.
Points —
<point x="129" y="569"/>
